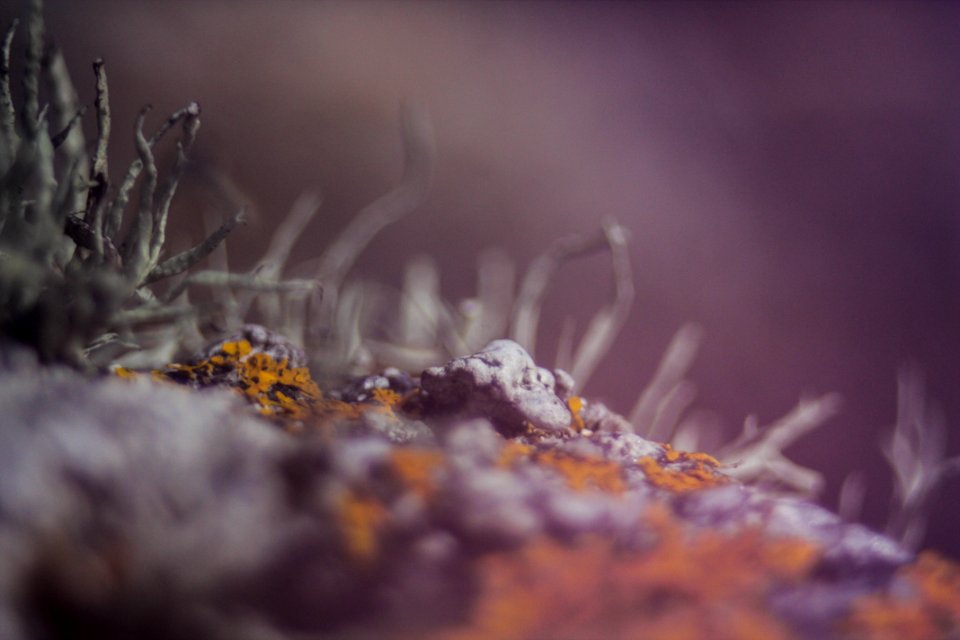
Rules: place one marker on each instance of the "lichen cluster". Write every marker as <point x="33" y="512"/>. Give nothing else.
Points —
<point x="577" y="531"/>
<point x="81" y="255"/>
<point x="276" y="387"/>
<point x="291" y="484"/>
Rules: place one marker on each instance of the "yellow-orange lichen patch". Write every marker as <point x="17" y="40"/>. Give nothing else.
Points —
<point x="681" y="471"/>
<point x="672" y="455"/>
<point x="931" y="611"/>
<point x="417" y="469"/>
<point x="512" y="452"/>
<point x="580" y="471"/>
<point x="237" y="349"/>
<point x="272" y="385"/>
<point x="361" y="518"/>
<point x="124" y="373"/>
<point x="706" y="585"/>
<point x="789" y="558"/>
<point x="275" y="388"/>
<point x="330" y="410"/>
<point x="575" y="405"/>
<point x="387" y="398"/>
<point x="709" y="563"/>
<point x="584" y="472"/>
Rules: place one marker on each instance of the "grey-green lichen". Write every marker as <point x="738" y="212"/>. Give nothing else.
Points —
<point x="78" y="260"/>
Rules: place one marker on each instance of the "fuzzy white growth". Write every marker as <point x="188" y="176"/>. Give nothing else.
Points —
<point x="487" y="316"/>
<point x="668" y="394"/>
<point x="605" y="324"/>
<point x="850" y="500"/>
<point x="419" y="150"/>
<point x="757" y="455"/>
<point x="274" y="308"/>
<point x="915" y="451"/>
<point x="419" y="316"/>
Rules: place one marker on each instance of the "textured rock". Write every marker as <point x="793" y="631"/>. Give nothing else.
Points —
<point x="502" y="383"/>
<point x="156" y="478"/>
<point x="134" y="508"/>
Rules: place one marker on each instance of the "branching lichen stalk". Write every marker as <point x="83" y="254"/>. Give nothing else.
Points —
<point x="30" y="120"/>
<point x="99" y="172"/>
<point x="175" y="265"/>
<point x="8" y="114"/>
<point x="65" y="288"/>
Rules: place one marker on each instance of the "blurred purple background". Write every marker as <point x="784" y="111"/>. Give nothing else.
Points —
<point x="790" y="172"/>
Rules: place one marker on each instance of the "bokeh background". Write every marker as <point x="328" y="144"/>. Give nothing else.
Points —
<point x="790" y="173"/>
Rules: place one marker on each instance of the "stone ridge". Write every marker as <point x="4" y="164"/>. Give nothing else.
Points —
<point x="381" y="509"/>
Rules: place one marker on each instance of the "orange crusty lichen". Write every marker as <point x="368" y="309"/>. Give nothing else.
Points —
<point x="575" y="405"/>
<point x="361" y="519"/>
<point x="273" y="386"/>
<point x="416" y="469"/>
<point x="581" y="472"/>
<point x="513" y="451"/>
<point x="124" y="373"/>
<point x="672" y="455"/>
<point x="931" y="611"/>
<point x="706" y="585"/>
<point x="328" y="410"/>
<point x="681" y="471"/>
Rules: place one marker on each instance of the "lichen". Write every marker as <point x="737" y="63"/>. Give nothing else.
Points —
<point x="290" y="488"/>
<point x="705" y="586"/>
<point x="680" y="471"/>
<point x="923" y="603"/>
<point x="535" y="534"/>
<point x="77" y="280"/>
<point x="580" y="472"/>
<point x="275" y="387"/>
<point x="361" y="519"/>
<point x="416" y="469"/>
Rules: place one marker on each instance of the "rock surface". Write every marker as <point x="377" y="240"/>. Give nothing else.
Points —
<point x="139" y="508"/>
<point x="500" y="382"/>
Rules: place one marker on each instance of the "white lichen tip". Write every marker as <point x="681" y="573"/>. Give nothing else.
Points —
<point x="501" y="381"/>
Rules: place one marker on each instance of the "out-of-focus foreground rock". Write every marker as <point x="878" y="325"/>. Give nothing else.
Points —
<point x="162" y="505"/>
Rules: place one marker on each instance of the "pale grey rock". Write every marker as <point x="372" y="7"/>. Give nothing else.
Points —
<point x="597" y="417"/>
<point x="564" y="383"/>
<point x="167" y="477"/>
<point x="624" y="448"/>
<point x="500" y="382"/>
